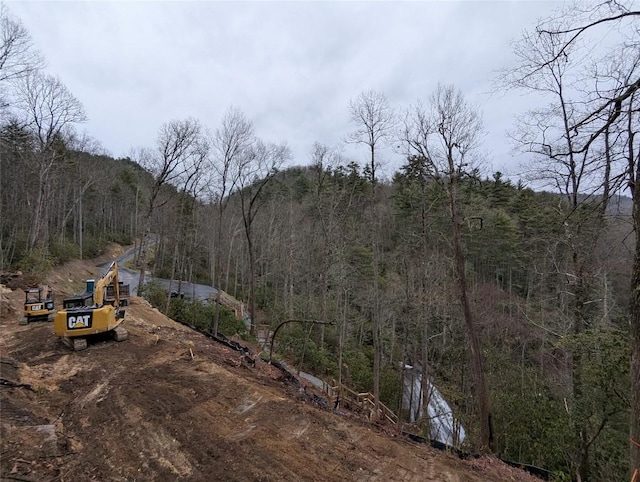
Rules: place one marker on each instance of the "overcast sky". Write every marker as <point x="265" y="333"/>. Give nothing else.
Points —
<point x="291" y="67"/>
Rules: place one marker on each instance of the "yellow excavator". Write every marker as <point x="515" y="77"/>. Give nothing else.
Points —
<point x="38" y="305"/>
<point x="100" y="309"/>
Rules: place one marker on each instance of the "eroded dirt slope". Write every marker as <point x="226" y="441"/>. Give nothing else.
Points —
<point x="170" y="404"/>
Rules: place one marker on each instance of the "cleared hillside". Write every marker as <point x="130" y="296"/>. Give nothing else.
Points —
<point x="170" y="404"/>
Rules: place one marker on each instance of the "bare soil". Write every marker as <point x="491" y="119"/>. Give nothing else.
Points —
<point x="171" y="404"/>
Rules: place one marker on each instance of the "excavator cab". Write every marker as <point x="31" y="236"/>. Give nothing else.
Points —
<point x="38" y="305"/>
<point x="75" y="301"/>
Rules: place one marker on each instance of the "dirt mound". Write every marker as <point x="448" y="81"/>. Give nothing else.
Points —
<point x="6" y="307"/>
<point x="18" y="280"/>
<point x="171" y="404"/>
<point x="112" y="251"/>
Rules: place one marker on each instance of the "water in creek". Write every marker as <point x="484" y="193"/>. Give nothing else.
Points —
<point x="445" y="428"/>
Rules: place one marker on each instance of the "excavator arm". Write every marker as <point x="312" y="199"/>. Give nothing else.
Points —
<point x="108" y="277"/>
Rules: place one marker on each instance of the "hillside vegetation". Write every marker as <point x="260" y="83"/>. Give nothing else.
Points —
<point x="517" y="263"/>
<point x="171" y="404"/>
<point x="521" y="306"/>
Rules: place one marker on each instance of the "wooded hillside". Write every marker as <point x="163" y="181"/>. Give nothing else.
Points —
<point x="518" y="304"/>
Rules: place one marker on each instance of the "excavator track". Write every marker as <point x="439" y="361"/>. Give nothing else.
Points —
<point x="76" y="344"/>
<point x="79" y="344"/>
<point x="120" y="333"/>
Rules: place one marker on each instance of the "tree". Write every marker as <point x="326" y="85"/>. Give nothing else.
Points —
<point x="444" y="139"/>
<point x="583" y="178"/>
<point x="190" y="185"/>
<point x="607" y="120"/>
<point x="18" y="58"/>
<point x="256" y="168"/>
<point x="230" y="144"/>
<point x="79" y="146"/>
<point x="16" y="150"/>
<point x="423" y="269"/>
<point x="47" y="110"/>
<point x="178" y="150"/>
<point x="374" y="120"/>
<point x="332" y="204"/>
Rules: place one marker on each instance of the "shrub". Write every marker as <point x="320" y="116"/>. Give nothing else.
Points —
<point x="63" y="251"/>
<point x="92" y="246"/>
<point x="155" y="294"/>
<point x="37" y="261"/>
<point x="193" y="312"/>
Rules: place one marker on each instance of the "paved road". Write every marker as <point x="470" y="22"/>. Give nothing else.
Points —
<point x="190" y="290"/>
<point x="132" y="277"/>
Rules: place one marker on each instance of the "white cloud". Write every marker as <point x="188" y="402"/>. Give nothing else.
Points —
<point x="290" y="66"/>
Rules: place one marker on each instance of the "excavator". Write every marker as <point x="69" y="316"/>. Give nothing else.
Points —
<point x="100" y="309"/>
<point x="38" y="305"/>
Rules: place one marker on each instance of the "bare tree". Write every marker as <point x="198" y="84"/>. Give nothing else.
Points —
<point x="329" y="205"/>
<point x="48" y="111"/>
<point x="256" y="168"/>
<point x="582" y="175"/>
<point x="444" y="138"/>
<point x="191" y="186"/>
<point x="632" y="155"/>
<point x="77" y="146"/>
<point x="178" y="149"/>
<point x="231" y="143"/>
<point x="606" y="121"/>
<point x="374" y="120"/>
<point x="423" y="274"/>
<point x="18" y="57"/>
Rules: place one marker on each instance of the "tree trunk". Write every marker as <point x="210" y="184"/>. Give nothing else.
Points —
<point x="173" y="273"/>
<point x="377" y="344"/>
<point x="484" y="406"/>
<point x="324" y="300"/>
<point x="35" y="237"/>
<point x="581" y="428"/>
<point x="216" y="272"/>
<point x="143" y="262"/>
<point x="634" y="330"/>
<point x="80" y="226"/>
<point x="252" y="281"/>
<point x="424" y="386"/>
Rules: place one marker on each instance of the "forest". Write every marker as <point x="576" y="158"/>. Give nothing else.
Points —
<point x="522" y="305"/>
